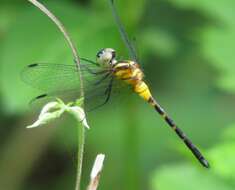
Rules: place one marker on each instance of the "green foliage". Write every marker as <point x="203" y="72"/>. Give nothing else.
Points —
<point x="219" y="176"/>
<point x="222" y="160"/>
<point x="154" y="40"/>
<point x="222" y="156"/>
<point x="217" y="39"/>
<point x="185" y="177"/>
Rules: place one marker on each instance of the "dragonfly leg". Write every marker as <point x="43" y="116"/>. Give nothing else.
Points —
<point x="109" y="89"/>
<point x="102" y="79"/>
<point x="96" y="73"/>
<point x="107" y="93"/>
<point x="87" y="60"/>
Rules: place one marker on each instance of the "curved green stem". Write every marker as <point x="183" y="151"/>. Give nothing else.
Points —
<point x="81" y="128"/>
<point x="66" y="36"/>
<point x="81" y="143"/>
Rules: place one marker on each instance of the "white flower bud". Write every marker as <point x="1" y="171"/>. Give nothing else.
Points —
<point x="79" y="114"/>
<point x="54" y="110"/>
<point x="47" y="116"/>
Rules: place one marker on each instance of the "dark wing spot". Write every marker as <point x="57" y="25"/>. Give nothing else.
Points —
<point x="33" y="65"/>
<point x="41" y="96"/>
<point x="37" y="98"/>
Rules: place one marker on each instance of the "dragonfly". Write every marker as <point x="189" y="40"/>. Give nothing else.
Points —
<point x="103" y="77"/>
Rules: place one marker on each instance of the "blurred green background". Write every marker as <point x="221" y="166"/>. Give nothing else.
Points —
<point x="186" y="48"/>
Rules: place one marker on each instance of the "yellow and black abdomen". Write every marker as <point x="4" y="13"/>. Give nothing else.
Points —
<point x="129" y="72"/>
<point x="142" y="89"/>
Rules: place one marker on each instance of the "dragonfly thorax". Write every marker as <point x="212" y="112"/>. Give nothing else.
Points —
<point x="106" y="57"/>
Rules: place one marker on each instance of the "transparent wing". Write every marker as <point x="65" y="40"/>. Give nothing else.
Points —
<point x="50" y="77"/>
<point x="127" y="42"/>
<point x="56" y="77"/>
<point x="62" y="81"/>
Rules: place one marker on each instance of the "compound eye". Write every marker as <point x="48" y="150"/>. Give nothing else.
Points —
<point x="100" y="53"/>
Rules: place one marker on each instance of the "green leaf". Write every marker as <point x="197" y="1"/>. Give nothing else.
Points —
<point x="217" y="39"/>
<point x="222" y="155"/>
<point x="223" y="162"/>
<point x="184" y="177"/>
<point x="218" y="46"/>
<point x="217" y="9"/>
<point x="229" y="134"/>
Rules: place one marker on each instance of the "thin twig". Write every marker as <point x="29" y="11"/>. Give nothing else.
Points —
<point x="81" y="143"/>
<point x="95" y="173"/>
<point x="77" y="61"/>
<point x="66" y="36"/>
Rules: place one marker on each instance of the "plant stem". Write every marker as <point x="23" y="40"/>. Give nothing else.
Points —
<point x="81" y="129"/>
<point x="66" y="36"/>
<point x="81" y="143"/>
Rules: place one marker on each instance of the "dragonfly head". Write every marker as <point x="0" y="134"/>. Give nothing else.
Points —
<point x="106" y="57"/>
